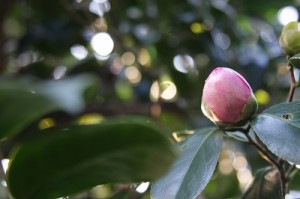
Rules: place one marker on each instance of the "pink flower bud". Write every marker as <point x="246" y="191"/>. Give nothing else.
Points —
<point x="227" y="98"/>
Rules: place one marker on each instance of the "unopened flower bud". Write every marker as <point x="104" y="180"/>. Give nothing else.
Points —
<point x="290" y="38"/>
<point x="227" y="98"/>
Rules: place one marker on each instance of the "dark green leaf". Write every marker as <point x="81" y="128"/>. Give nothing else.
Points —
<point x="23" y="101"/>
<point x="266" y="185"/>
<point x="295" y="60"/>
<point x="193" y="169"/>
<point x="19" y="108"/>
<point x="237" y="136"/>
<point x="278" y="127"/>
<point x="68" y="160"/>
<point x="68" y="93"/>
<point x="123" y="194"/>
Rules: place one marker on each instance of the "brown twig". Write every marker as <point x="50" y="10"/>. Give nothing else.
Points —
<point x="271" y="159"/>
<point x="290" y="171"/>
<point x="292" y="84"/>
<point x="277" y="162"/>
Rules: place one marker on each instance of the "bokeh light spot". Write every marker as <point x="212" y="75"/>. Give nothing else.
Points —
<point x="240" y="163"/>
<point x="117" y="66"/>
<point x="90" y="118"/>
<point x="5" y="163"/>
<point x="287" y="14"/>
<point x="102" y="44"/>
<point x="183" y="63"/>
<point x="79" y="51"/>
<point x="245" y="178"/>
<point x="144" y="57"/>
<point x="46" y="123"/>
<point x="154" y="92"/>
<point x="59" y="72"/>
<point x="168" y="91"/>
<point x="262" y="97"/>
<point x="133" y="75"/>
<point x="128" y="58"/>
<point x="99" y="7"/>
<point x="142" y="187"/>
<point x="100" y="191"/>
<point x="222" y="40"/>
<point x="196" y="28"/>
<point x="225" y="166"/>
<point x="124" y="90"/>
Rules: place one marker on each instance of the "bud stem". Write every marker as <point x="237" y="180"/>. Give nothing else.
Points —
<point x="292" y="83"/>
<point x="278" y="163"/>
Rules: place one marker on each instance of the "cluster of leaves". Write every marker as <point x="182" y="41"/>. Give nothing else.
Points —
<point x="200" y="153"/>
<point x="69" y="158"/>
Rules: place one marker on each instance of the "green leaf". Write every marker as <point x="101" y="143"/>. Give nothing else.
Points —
<point x="295" y="60"/>
<point x="278" y="127"/>
<point x="19" y="108"/>
<point x="293" y="194"/>
<point x="193" y="169"/>
<point x="68" y="93"/>
<point x="23" y="101"/>
<point x="71" y="159"/>
<point x="123" y="194"/>
<point x="266" y="185"/>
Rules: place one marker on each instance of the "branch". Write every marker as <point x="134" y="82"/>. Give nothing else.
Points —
<point x="292" y="84"/>
<point x="272" y="160"/>
<point x="277" y="162"/>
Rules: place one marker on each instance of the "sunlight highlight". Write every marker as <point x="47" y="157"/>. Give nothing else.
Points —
<point x="197" y="28"/>
<point x="287" y="14"/>
<point x="184" y="63"/>
<point x="90" y="118"/>
<point x="102" y="44"/>
<point x="262" y="96"/>
<point x="142" y="188"/>
<point x="168" y="91"/>
<point x="46" y="123"/>
<point x="79" y="51"/>
<point x="133" y="75"/>
<point x="245" y="178"/>
<point x="5" y="163"/>
<point x="59" y="72"/>
<point x="144" y="57"/>
<point x="128" y="58"/>
<point x="154" y="92"/>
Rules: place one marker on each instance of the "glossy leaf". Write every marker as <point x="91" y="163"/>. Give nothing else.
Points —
<point x="278" y="127"/>
<point x="295" y="60"/>
<point x="266" y="185"/>
<point x="293" y="194"/>
<point x="193" y="169"/>
<point x="71" y="159"/>
<point x="23" y="101"/>
<point x="19" y="108"/>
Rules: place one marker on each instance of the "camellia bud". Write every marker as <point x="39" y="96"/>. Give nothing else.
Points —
<point x="290" y="38"/>
<point x="227" y="98"/>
